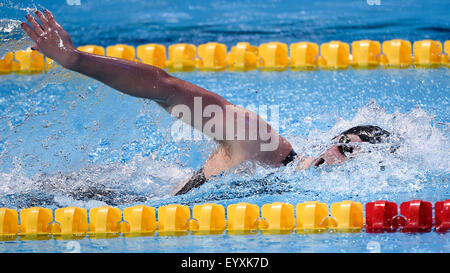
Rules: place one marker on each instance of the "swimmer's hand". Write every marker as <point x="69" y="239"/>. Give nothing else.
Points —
<point x="305" y="163"/>
<point x="50" y="38"/>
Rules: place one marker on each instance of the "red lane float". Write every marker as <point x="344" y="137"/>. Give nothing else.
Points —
<point x="442" y="215"/>
<point x="418" y="214"/>
<point x="380" y="216"/>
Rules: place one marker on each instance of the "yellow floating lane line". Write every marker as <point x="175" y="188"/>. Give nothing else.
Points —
<point x="272" y="56"/>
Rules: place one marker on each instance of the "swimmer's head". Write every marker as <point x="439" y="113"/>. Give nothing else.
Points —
<point x="343" y="151"/>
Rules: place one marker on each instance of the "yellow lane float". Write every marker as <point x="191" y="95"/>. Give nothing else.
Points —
<point x="9" y="222"/>
<point x="152" y="54"/>
<point x="242" y="218"/>
<point x="182" y="57"/>
<point x="93" y="49"/>
<point x="427" y="53"/>
<point x="173" y="219"/>
<point x="397" y="53"/>
<point x="311" y="217"/>
<point x="139" y="219"/>
<point x="6" y="63"/>
<point x="211" y="57"/>
<point x="104" y="220"/>
<point x="304" y="56"/>
<point x="349" y="215"/>
<point x="334" y="55"/>
<point x="28" y="61"/>
<point x="279" y="217"/>
<point x="71" y="221"/>
<point x="35" y="221"/>
<point x="446" y="56"/>
<point x="366" y="54"/>
<point x="121" y="51"/>
<point x="242" y="57"/>
<point x="210" y="218"/>
<point x="273" y="56"/>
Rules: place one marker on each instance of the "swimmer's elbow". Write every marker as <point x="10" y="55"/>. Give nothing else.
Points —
<point x="154" y="85"/>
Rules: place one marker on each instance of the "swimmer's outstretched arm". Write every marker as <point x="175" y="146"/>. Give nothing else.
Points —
<point x="133" y="78"/>
<point x="146" y="81"/>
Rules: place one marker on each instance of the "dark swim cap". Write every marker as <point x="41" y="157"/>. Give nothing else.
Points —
<point x="368" y="133"/>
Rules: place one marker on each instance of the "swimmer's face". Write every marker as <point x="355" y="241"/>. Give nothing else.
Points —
<point x="340" y="152"/>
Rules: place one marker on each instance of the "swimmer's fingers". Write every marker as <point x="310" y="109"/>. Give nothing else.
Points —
<point x="29" y="31"/>
<point x="43" y="20"/>
<point x="36" y="27"/>
<point x="32" y="35"/>
<point x="51" y="19"/>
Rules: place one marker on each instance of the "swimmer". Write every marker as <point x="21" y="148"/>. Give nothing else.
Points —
<point x="150" y="82"/>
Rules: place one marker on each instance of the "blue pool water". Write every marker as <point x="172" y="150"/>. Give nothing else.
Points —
<point x="67" y="140"/>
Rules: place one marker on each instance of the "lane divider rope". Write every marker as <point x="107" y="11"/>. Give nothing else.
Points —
<point x="209" y="218"/>
<point x="272" y="56"/>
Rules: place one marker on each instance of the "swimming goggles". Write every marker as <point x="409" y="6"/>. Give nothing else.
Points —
<point x="344" y="149"/>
